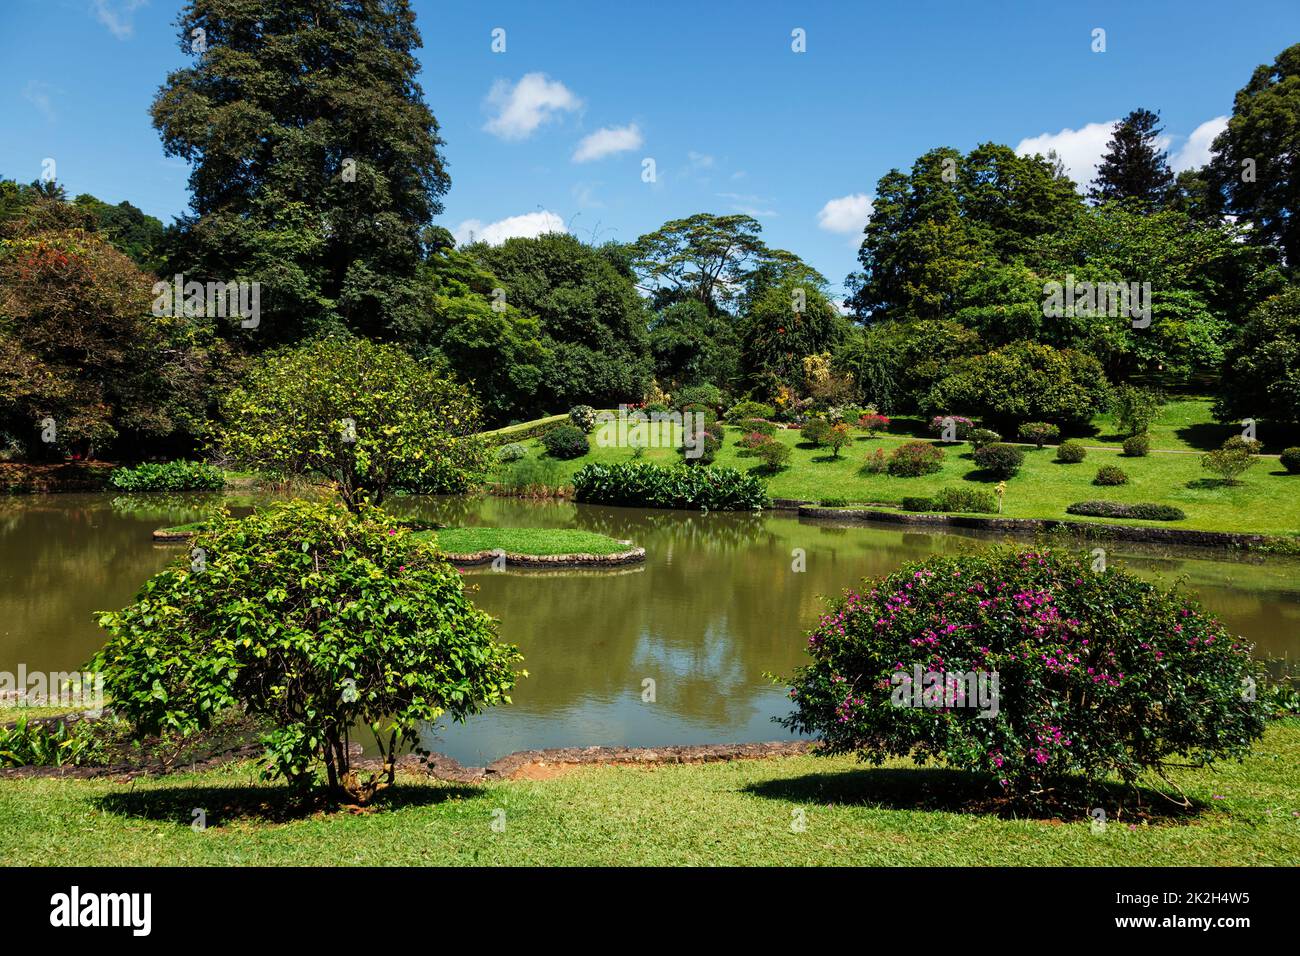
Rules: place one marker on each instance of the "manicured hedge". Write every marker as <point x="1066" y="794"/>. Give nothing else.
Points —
<point x="648" y="485"/>
<point x="1114" y="509"/>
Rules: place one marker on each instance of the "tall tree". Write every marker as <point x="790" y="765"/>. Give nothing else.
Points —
<point x="1134" y="167"/>
<point x="316" y="163"/>
<point x="1256" y="160"/>
<point x="704" y="257"/>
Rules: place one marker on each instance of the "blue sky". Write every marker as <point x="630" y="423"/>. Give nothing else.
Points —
<point x="556" y="129"/>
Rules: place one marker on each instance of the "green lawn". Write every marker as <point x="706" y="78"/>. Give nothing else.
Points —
<point x="535" y="541"/>
<point x="738" y="813"/>
<point x="1267" y="500"/>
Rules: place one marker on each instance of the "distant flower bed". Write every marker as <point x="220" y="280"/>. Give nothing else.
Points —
<point x="648" y="485"/>
<point x="1115" y="509"/>
<point x="168" y="476"/>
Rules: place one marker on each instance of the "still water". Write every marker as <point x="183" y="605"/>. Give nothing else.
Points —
<point x="715" y="607"/>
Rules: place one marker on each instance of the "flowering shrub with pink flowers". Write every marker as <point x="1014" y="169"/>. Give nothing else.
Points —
<point x="1098" y="673"/>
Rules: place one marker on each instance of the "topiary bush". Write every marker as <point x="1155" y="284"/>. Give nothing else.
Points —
<point x="914" y="459"/>
<point x="970" y="500"/>
<point x="1071" y="452"/>
<point x="1097" y="674"/>
<point x="1000" y="459"/>
<point x="1290" y="459"/>
<point x="566" y="442"/>
<point x="1040" y="433"/>
<point x="647" y="485"/>
<point x="979" y="437"/>
<point x="319" y="621"/>
<point x="512" y="452"/>
<point x="759" y="425"/>
<point x="584" y="417"/>
<point x="1110" y="475"/>
<point x="1137" y="446"/>
<point x="1115" y="509"/>
<point x="168" y="476"/>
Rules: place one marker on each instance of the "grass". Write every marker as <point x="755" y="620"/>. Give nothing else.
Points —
<point x="534" y="541"/>
<point x="737" y="813"/>
<point x="1267" y="500"/>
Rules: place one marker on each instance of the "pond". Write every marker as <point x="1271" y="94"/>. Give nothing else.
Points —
<point x="716" y="606"/>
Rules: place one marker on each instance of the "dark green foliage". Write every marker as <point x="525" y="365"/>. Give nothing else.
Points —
<point x="709" y="396"/>
<point x="1040" y="433"/>
<point x="646" y="485"/>
<point x="1099" y="674"/>
<point x="915" y="458"/>
<point x="917" y="503"/>
<point x="1114" y="509"/>
<point x="1000" y="459"/>
<point x="1136" y="409"/>
<point x="1290" y="460"/>
<point x="566" y="442"/>
<point x="1262" y="371"/>
<point x="168" y="476"/>
<point x="1137" y="446"/>
<point x="1110" y="475"/>
<point x="774" y="452"/>
<point x="748" y="409"/>
<point x="816" y="431"/>
<point x="1134" y="168"/>
<point x="974" y="500"/>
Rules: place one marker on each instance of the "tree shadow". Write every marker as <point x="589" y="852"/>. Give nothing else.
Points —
<point x="1205" y="436"/>
<point x="942" y="789"/>
<point x="826" y="458"/>
<point x="1209" y="484"/>
<point x="262" y="803"/>
<point x="982" y="476"/>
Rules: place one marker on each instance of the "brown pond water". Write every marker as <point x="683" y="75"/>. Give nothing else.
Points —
<point x="714" y="608"/>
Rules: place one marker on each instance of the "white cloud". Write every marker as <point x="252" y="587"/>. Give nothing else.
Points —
<point x="1195" y="153"/>
<point x="1080" y="149"/>
<point x="845" y="214"/>
<point x="606" y="142"/>
<point x="38" y="93"/>
<point x="699" y="160"/>
<point x="526" y="105"/>
<point x="117" y="15"/>
<point x="529" y="225"/>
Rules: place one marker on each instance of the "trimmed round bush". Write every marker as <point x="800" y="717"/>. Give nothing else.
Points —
<point x="1000" y="459"/>
<point x="1071" y="452"/>
<point x="1290" y="459"/>
<point x="1137" y="446"/>
<point x="566" y="441"/>
<point x="1148" y="511"/>
<point x="775" y="453"/>
<point x="1040" y="433"/>
<point x="512" y="452"/>
<point x="1251" y="446"/>
<point x="914" y="459"/>
<point x="1110" y="475"/>
<point x="979" y="437"/>
<point x="759" y="425"/>
<point x="917" y="503"/>
<point x="747" y="409"/>
<point x="1098" y="674"/>
<point x="584" y="417"/>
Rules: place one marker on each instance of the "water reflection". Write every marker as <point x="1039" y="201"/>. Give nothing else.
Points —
<point x="715" y="607"/>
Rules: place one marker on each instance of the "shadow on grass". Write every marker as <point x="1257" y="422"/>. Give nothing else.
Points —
<point x="942" y="789"/>
<point x="262" y="804"/>
<point x="1204" y="436"/>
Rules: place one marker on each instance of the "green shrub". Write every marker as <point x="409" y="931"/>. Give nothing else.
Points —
<point x="49" y="743"/>
<point x="1114" y="509"/>
<point x="1071" y="452"/>
<point x="1098" y="674"/>
<point x="647" y="485"/>
<point x="775" y="453"/>
<point x="969" y="500"/>
<point x="317" y="620"/>
<point x="1000" y="459"/>
<point x="583" y="417"/>
<point x="706" y="445"/>
<point x="816" y="431"/>
<point x="877" y="462"/>
<point x="512" y="452"/>
<point x="1251" y="446"/>
<point x="708" y="395"/>
<point x="917" y="503"/>
<point x="833" y="502"/>
<point x="1110" y="475"/>
<point x="838" y="436"/>
<point x="747" y="409"/>
<point x="168" y="476"/>
<point x="1137" y="446"/>
<point x="915" y="458"/>
<point x="1228" y="463"/>
<point x="1040" y="433"/>
<point x="979" y="437"/>
<point x="1290" y="459"/>
<point x="1135" y="409"/>
<point x="540" y="477"/>
<point x="759" y="425"/>
<point x="566" y="442"/>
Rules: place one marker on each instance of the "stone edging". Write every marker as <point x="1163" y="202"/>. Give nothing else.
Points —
<point x="162" y="534"/>
<point x="575" y="560"/>
<point x="1186" y="536"/>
